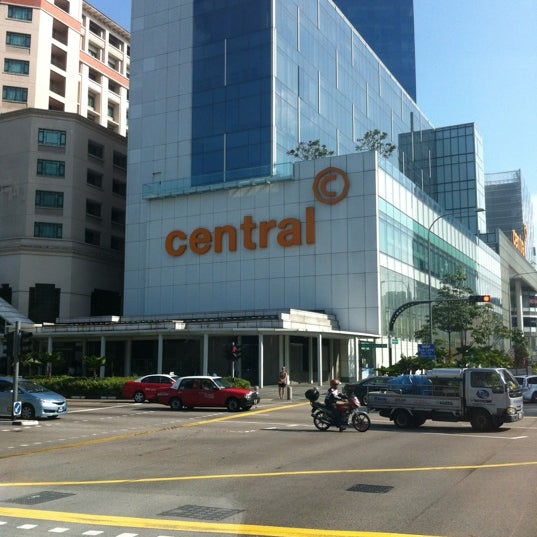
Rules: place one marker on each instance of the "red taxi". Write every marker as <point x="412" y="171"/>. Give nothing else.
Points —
<point x="204" y="391"/>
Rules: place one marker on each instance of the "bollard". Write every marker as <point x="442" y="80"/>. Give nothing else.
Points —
<point x="289" y="393"/>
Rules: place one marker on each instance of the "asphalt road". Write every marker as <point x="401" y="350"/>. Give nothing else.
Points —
<point x="115" y="469"/>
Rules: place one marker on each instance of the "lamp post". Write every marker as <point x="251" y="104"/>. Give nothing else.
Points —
<point x="478" y="210"/>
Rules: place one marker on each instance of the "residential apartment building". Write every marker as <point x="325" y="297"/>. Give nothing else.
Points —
<point x="63" y="126"/>
<point x="65" y="56"/>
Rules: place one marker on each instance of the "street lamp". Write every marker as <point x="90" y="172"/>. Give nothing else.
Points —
<point x="478" y="210"/>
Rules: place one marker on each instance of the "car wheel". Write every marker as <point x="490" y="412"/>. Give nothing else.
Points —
<point x="139" y="397"/>
<point x="176" y="404"/>
<point x="534" y="397"/>
<point x="365" y="400"/>
<point x="27" y="412"/>
<point x="233" y="405"/>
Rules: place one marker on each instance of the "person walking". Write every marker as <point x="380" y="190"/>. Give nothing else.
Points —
<point x="283" y="381"/>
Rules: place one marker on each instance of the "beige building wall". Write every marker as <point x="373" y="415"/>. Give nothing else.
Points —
<point x="75" y="243"/>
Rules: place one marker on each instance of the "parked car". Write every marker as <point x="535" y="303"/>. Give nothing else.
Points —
<point x="364" y="386"/>
<point x="204" y="391"/>
<point x="528" y="383"/>
<point x="145" y="388"/>
<point x="37" y="401"/>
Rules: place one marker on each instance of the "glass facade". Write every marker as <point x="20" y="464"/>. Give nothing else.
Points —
<point x="447" y="163"/>
<point x="388" y="27"/>
<point x="296" y="73"/>
<point x="406" y="232"/>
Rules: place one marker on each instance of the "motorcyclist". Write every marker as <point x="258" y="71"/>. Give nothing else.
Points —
<point x="333" y="395"/>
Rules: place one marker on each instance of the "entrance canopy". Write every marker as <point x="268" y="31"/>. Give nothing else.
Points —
<point x="11" y="315"/>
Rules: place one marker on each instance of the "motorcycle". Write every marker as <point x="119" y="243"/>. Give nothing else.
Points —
<point x="323" y="417"/>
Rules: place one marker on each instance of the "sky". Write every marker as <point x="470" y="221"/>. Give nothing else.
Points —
<point x="476" y="62"/>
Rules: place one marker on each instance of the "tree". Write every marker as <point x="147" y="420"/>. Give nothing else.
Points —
<point x="94" y="363"/>
<point x="480" y="329"/>
<point x="310" y="150"/>
<point x="51" y="358"/>
<point x="374" y="141"/>
<point x="520" y="348"/>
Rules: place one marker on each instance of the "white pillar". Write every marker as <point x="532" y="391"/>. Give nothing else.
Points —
<point x="320" y="359"/>
<point x="205" y="355"/>
<point x="261" y="360"/>
<point x="159" y="353"/>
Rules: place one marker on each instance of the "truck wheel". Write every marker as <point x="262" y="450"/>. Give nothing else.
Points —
<point x="403" y="419"/>
<point x="417" y="421"/>
<point x="481" y="421"/>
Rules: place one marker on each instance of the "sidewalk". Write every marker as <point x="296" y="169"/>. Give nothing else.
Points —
<point x="295" y="393"/>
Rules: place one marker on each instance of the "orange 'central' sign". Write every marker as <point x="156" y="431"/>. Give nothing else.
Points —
<point x="330" y="186"/>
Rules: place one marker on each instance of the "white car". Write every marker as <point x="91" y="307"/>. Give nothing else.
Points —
<point x="528" y="383"/>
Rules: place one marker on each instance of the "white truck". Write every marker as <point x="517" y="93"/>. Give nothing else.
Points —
<point x="486" y="397"/>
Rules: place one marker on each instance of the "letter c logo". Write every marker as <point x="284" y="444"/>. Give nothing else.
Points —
<point x="330" y="186"/>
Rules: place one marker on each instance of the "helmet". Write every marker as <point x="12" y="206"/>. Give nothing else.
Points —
<point x="334" y="383"/>
<point x="312" y="394"/>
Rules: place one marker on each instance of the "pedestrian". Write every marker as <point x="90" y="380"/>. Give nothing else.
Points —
<point x="283" y="381"/>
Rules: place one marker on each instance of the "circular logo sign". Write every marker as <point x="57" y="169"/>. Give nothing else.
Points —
<point x="330" y="186"/>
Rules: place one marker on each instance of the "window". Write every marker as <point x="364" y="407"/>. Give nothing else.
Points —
<point x="16" y="67"/>
<point x="15" y="39"/>
<point x="118" y="216"/>
<point x="51" y="137"/>
<point x="47" y="230"/>
<point x="51" y="168"/>
<point x="111" y="111"/>
<point x="44" y="302"/>
<point x="11" y="93"/>
<point x="94" y="52"/>
<point x="49" y="199"/>
<point x="117" y="243"/>
<point x="20" y="13"/>
<point x="94" y="178"/>
<point x="119" y="188"/>
<point x="91" y="100"/>
<point x="95" y="149"/>
<point x="92" y="237"/>
<point x="115" y="42"/>
<point x="96" y="29"/>
<point x="93" y="208"/>
<point x="120" y="160"/>
<point x="112" y="63"/>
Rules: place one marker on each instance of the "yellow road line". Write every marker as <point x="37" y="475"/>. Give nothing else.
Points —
<point x="147" y="432"/>
<point x="189" y="526"/>
<point x="269" y="474"/>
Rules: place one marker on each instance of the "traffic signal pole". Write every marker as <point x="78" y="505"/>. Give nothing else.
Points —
<point x="16" y="351"/>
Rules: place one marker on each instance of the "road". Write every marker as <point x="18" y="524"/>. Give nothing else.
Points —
<point x="115" y="469"/>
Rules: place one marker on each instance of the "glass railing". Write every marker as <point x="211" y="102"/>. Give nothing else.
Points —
<point x="218" y="181"/>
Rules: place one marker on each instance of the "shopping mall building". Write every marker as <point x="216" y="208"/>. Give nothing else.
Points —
<point x="302" y="263"/>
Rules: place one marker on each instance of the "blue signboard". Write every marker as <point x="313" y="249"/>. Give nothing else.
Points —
<point x="426" y="350"/>
<point x="17" y="407"/>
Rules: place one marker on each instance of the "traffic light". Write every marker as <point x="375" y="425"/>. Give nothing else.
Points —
<point x="10" y="343"/>
<point x="26" y="345"/>
<point x="233" y="352"/>
<point x="478" y="298"/>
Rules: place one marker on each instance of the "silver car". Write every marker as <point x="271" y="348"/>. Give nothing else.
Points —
<point x="37" y="401"/>
<point x="528" y="383"/>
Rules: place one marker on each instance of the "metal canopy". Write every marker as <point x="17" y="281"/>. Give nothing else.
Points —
<point x="11" y="315"/>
